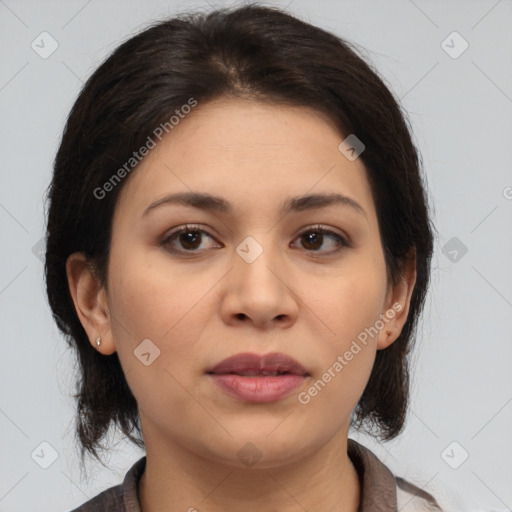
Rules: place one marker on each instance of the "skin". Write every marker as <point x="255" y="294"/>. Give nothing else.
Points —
<point x="200" y="308"/>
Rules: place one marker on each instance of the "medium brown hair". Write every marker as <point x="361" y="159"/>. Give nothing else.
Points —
<point x="255" y="52"/>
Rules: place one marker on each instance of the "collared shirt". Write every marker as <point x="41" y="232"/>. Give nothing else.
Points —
<point x="380" y="490"/>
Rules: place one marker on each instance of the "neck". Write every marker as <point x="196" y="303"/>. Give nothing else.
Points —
<point x="175" y="479"/>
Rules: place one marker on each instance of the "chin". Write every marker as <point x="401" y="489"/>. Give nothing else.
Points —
<point x="262" y="449"/>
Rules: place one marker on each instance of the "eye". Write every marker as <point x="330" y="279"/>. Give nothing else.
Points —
<point x="314" y="238"/>
<point x="189" y="238"/>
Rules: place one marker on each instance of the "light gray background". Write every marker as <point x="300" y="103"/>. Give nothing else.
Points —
<point x="460" y="109"/>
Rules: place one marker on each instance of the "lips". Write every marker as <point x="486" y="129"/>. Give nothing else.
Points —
<point x="254" y="365"/>
<point x="254" y="378"/>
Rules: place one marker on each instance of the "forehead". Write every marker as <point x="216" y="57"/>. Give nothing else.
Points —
<point x="252" y="153"/>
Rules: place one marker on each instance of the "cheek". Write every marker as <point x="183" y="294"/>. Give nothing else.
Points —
<point x="151" y="303"/>
<point x="352" y="301"/>
<point x="151" y="300"/>
<point x="350" y="306"/>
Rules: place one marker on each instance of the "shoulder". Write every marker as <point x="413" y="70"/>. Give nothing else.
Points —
<point x="411" y="498"/>
<point x="383" y="490"/>
<point x="119" y="498"/>
<point x="111" y="499"/>
<point x="431" y="497"/>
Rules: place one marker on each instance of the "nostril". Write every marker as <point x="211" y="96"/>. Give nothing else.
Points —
<point x="240" y="316"/>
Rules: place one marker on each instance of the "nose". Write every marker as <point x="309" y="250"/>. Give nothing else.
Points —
<point x="260" y="292"/>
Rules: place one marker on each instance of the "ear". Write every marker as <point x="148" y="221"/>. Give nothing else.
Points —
<point x="90" y="302"/>
<point x="398" y="303"/>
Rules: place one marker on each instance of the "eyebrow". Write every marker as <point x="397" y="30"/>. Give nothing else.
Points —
<point x="218" y="204"/>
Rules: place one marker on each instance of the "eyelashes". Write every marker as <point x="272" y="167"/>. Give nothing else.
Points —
<point x="190" y="237"/>
<point x="178" y="233"/>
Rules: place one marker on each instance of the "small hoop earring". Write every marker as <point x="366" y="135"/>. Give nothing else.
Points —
<point x="98" y="341"/>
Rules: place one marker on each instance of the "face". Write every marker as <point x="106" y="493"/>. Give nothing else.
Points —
<point x="252" y="277"/>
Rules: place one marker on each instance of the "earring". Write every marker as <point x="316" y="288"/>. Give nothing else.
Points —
<point x="98" y="341"/>
<point x="387" y="333"/>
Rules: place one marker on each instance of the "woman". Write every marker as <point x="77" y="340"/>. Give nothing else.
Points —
<point x="239" y="249"/>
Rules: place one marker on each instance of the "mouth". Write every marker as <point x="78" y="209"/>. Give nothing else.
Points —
<point x="253" y="365"/>
<point x="254" y="378"/>
<point x="256" y="373"/>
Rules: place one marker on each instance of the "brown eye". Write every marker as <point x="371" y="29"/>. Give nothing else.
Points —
<point x="315" y="238"/>
<point x="313" y="241"/>
<point x="190" y="239"/>
<point x="187" y="238"/>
